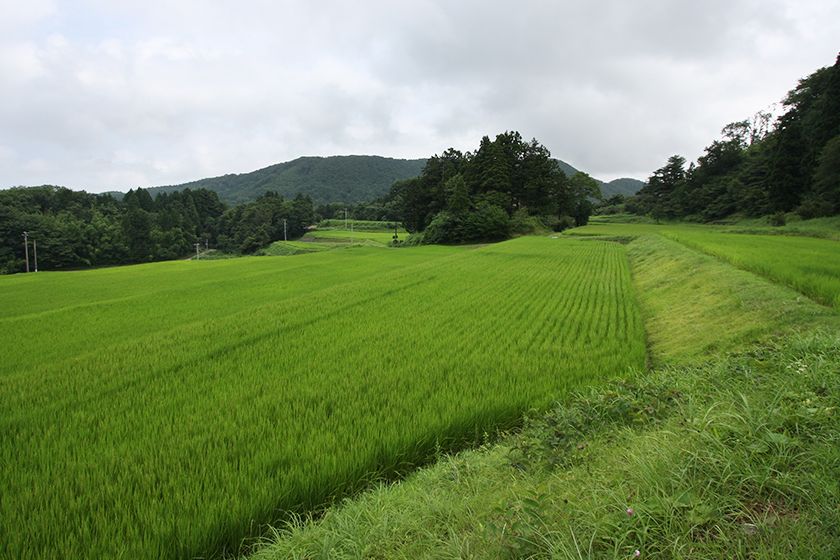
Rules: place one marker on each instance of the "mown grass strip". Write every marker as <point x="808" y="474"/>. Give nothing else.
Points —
<point x="806" y="264"/>
<point x="696" y="305"/>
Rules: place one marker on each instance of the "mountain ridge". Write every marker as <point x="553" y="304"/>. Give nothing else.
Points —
<point x="347" y="179"/>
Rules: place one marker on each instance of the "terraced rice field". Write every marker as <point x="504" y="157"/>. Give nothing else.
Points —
<point x="807" y="264"/>
<point x="169" y="410"/>
<point x="383" y="237"/>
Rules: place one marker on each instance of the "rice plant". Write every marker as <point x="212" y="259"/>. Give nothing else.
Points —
<point x="170" y="410"/>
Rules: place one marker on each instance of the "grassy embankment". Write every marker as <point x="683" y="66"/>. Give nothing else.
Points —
<point x="168" y="410"/>
<point x="727" y="448"/>
<point x="809" y="265"/>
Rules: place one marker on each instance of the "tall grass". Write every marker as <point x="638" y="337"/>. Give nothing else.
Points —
<point x="170" y="410"/>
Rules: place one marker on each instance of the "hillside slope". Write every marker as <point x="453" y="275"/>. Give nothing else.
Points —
<point x="624" y="186"/>
<point x="347" y="179"/>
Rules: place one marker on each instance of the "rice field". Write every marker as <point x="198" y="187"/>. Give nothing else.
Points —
<point x="169" y="410"/>
<point x="810" y="265"/>
<point x="383" y="237"/>
<point x="807" y="264"/>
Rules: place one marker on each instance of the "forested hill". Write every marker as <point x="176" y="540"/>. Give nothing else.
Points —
<point x="760" y="167"/>
<point x="347" y="179"/>
<point x="344" y="179"/>
<point x="623" y="186"/>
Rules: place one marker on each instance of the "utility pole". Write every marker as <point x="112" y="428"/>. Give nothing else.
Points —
<point x="26" y="248"/>
<point x="197" y="256"/>
<point x="35" y="250"/>
<point x="284" y="230"/>
<point x="345" y="219"/>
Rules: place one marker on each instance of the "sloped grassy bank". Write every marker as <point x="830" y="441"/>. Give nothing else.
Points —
<point x="726" y="449"/>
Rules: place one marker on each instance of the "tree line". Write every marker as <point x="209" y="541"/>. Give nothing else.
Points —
<point x="760" y="167"/>
<point x="505" y="186"/>
<point x="75" y="229"/>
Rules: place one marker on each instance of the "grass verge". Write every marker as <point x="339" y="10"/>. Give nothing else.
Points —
<point x="729" y="448"/>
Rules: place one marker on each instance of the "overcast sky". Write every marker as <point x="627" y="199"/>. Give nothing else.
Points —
<point x="105" y="94"/>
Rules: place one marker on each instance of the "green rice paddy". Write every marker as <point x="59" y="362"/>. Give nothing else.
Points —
<point x="169" y="410"/>
<point x="808" y="264"/>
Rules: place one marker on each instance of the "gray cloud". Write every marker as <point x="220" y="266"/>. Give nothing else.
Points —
<point x="102" y="95"/>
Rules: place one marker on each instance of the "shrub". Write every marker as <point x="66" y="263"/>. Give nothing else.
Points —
<point x="777" y="219"/>
<point x="521" y="223"/>
<point x="487" y="223"/>
<point x="563" y="222"/>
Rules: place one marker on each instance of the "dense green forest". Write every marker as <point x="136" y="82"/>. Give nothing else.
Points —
<point x="345" y="179"/>
<point x="388" y="208"/>
<point x="342" y="182"/>
<point x="506" y="186"/>
<point x="76" y="229"/>
<point x="760" y="167"/>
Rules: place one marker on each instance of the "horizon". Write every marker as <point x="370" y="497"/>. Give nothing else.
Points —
<point x="105" y="97"/>
<point x="237" y="173"/>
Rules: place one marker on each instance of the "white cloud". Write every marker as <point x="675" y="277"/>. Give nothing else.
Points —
<point x="103" y="95"/>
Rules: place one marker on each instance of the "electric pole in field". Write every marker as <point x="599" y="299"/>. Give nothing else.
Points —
<point x="284" y="230"/>
<point x="35" y="250"/>
<point x="345" y="219"/>
<point x="197" y="256"/>
<point x="26" y="248"/>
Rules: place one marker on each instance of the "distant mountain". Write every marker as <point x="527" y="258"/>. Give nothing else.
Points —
<point x="566" y="168"/>
<point x="347" y="179"/>
<point x="624" y="186"/>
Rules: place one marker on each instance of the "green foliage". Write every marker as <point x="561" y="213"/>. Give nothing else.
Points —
<point x="249" y="227"/>
<point x="486" y="222"/>
<point x="777" y="220"/>
<point x="198" y="400"/>
<point x="754" y="170"/>
<point x="583" y="189"/>
<point x="77" y="229"/>
<point x="522" y="223"/>
<point x="624" y="187"/>
<point x="344" y="179"/>
<point x="460" y="197"/>
<point x="824" y="200"/>
<point x="359" y="225"/>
